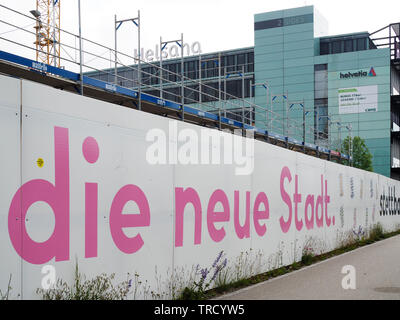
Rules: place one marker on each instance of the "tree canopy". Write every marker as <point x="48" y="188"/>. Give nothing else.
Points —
<point x="362" y="157"/>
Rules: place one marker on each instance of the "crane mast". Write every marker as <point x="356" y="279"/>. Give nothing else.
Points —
<point x="47" y="27"/>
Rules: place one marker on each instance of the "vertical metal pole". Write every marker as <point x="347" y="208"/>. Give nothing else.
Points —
<point x="200" y="97"/>
<point x="54" y="34"/>
<point x="243" y="101"/>
<point x="115" y="50"/>
<point x="182" y="80"/>
<point x="283" y="118"/>
<point x="350" y="146"/>
<point x="139" y="64"/>
<point x="268" y="113"/>
<point x="304" y="123"/>
<point x="251" y="102"/>
<point x="317" y="128"/>
<point x="80" y="46"/>
<point x="225" y="90"/>
<point x="219" y="90"/>
<point x="390" y="43"/>
<point x="329" y="132"/>
<point x="271" y="113"/>
<point x="287" y="114"/>
<point x="75" y="50"/>
<point x="161" y="72"/>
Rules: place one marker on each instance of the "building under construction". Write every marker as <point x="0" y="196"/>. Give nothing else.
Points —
<point x="296" y="87"/>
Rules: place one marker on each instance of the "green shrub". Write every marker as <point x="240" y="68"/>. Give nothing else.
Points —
<point x="376" y="232"/>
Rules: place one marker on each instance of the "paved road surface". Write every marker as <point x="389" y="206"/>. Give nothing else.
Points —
<point x="377" y="269"/>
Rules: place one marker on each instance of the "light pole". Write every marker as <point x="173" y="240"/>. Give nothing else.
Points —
<point x="117" y="25"/>
<point x="317" y="132"/>
<point x="301" y="104"/>
<point x="80" y="46"/>
<point x="240" y="74"/>
<point x="265" y="85"/>
<point x="285" y="97"/>
<point x="217" y="63"/>
<point x="163" y="45"/>
<point x="38" y="28"/>
<point x="349" y="128"/>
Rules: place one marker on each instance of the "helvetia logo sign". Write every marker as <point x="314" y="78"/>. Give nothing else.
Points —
<point x="372" y="72"/>
<point x="358" y="74"/>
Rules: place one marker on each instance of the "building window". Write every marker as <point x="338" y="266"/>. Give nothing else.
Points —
<point x="250" y="61"/>
<point x="324" y="48"/>
<point x="321" y="81"/>
<point x="337" y="47"/>
<point x="172" y="74"/>
<point x="230" y="63"/>
<point x="348" y="45"/>
<point x="344" y="44"/>
<point x="321" y="119"/>
<point x="240" y="61"/>
<point x="361" y="45"/>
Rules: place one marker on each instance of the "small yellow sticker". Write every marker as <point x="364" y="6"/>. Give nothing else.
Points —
<point x="40" y="162"/>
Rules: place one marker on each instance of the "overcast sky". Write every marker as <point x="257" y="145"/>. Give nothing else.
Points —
<point x="216" y="24"/>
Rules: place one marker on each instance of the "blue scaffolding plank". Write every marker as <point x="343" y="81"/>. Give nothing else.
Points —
<point x="323" y="150"/>
<point x="294" y="141"/>
<point x="109" y="87"/>
<point x="38" y="66"/>
<point x="277" y="136"/>
<point x="310" y="146"/>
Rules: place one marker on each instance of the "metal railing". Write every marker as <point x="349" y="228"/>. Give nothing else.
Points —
<point x="388" y="37"/>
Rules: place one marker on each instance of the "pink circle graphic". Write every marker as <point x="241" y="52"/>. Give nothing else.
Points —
<point x="90" y="149"/>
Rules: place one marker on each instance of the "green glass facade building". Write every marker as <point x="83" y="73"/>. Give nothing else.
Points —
<point x="346" y="80"/>
<point x="338" y="85"/>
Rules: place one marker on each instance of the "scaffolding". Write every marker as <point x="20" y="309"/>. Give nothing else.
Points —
<point x="174" y="93"/>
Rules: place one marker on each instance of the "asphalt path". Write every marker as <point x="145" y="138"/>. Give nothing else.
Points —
<point x="375" y="276"/>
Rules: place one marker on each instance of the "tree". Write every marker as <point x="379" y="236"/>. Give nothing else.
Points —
<point x="362" y="157"/>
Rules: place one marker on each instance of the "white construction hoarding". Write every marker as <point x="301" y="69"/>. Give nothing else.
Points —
<point x="77" y="186"/>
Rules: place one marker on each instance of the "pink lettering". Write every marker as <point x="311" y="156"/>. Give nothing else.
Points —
<point x="285" y="225"/>
<point x="242" y="231"/>
<point x="309" y="203"/>
<point x="261" y="214"/>
<point x="119" y="220"/>
<point x="327" y="200"/>
<point x="320" y="200"/>
<point x="297" y="200"/>
<point x="182" y="198"/>
<point x="212" y="216"/>
<point x="56" y="196"/>
<point x="90" y="220"/>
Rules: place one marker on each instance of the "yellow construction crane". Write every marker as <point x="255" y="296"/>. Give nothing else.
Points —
<point x="48" y="18"/>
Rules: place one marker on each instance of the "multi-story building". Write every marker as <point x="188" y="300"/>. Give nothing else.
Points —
<point x="339" y="85"/>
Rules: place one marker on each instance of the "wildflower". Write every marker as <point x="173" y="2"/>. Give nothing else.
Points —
<point x="217" y="259"/>
<point x="215" y="273"/>
<point x="204" y="272"/>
